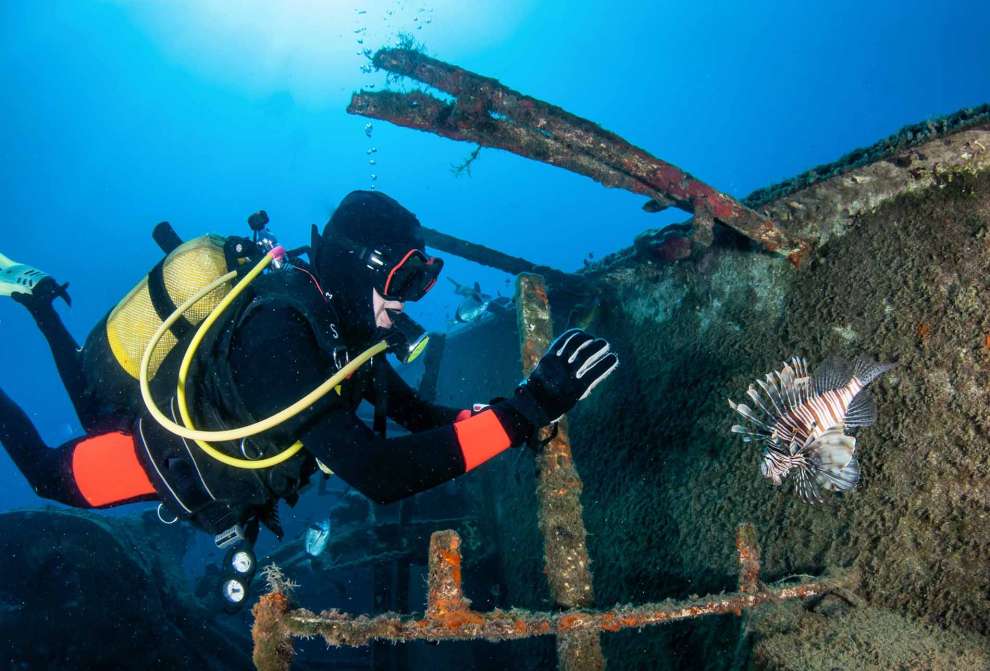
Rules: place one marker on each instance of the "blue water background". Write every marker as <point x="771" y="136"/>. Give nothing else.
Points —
<point x="118" y="115"/>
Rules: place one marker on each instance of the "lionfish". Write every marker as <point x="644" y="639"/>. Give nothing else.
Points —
<point x="802" y="421"/>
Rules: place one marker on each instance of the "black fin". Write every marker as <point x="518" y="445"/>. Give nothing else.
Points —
<point x="862" y="410"/>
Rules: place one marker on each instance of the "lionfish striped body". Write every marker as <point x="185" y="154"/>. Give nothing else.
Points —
<point x="802" y="422"/>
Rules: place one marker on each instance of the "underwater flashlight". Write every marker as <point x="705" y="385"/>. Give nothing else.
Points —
<point x="406" y="338"/>
<point x="234" y="591"/>
<point x="242" y="562"/>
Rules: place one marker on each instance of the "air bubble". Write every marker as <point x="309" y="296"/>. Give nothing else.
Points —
<point x="369" y="128"/>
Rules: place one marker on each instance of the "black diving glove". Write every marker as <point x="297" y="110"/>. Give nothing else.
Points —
<point x="574" y="364"/>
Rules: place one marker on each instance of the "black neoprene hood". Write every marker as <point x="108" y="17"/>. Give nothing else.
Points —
<point x="367" y="219"/>
<point x="372" y="219"/>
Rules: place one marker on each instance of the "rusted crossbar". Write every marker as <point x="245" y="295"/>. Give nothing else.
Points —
<point x="449" y="616"/>
<point x="489" y="114"/>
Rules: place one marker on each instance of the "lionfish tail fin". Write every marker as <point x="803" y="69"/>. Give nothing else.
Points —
<point x="867" y="370"/>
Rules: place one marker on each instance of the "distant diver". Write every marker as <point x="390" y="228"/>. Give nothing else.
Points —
<point x="802" y="421"/>
<point x="317" y="537"/>
<point x="231" y="374"/>
<point x="476" y="304"/>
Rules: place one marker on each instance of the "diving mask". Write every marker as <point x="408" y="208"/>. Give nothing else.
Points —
<point x="398" y="276"/>
<point x="411" y="277"/>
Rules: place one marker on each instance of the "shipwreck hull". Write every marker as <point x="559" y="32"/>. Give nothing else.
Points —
<point x="898" y="270"/>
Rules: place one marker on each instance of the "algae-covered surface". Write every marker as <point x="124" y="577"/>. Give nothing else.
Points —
<point x="666" y="484"/>
<point x="793" y="638"/>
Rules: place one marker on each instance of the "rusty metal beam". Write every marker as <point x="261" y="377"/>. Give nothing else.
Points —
<point x="489" y="114"/>
<point x="493" y="258"/>
<point x="449" y="616"/>
<point x="558" y="491"/>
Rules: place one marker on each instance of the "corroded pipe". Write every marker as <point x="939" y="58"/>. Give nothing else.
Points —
<point x="749" y="558"/>
<point x="449" y="617"/>
<point x="558" y="491"/>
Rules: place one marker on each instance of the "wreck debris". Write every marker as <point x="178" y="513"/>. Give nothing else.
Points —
<point x="449" y="615"/>
<point x="272" y="638"/>
<point x="560" y="514"/>
<point x="493" y="258"/>
<point x="749" y="559"/>
<point x="901" y="149"/>
<point x="489" y="114"/>
<point x="829" y="207"/>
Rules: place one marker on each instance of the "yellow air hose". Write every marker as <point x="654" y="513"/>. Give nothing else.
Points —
<point x="199" y="436"/>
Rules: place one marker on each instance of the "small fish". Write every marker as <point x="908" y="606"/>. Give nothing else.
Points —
<point x="476" y="303"/>
<point x="802" y="422"/>
<point x="317" y="537"/>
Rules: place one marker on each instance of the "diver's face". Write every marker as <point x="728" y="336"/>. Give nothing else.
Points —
<point x="381" y="305"/>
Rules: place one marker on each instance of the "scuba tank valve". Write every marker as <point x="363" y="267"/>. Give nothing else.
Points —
<point x="265" y="239"/>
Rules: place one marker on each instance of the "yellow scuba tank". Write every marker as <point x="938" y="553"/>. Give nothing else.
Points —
<point x="183" y="272"/>
<point x="111" y="357"/>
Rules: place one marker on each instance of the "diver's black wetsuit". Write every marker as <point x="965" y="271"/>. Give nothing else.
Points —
<point x="47" y="470"/>
<point x="382" y="469"/>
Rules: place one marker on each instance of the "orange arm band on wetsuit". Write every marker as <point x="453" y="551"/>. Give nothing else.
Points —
<point x="480" y="437"/>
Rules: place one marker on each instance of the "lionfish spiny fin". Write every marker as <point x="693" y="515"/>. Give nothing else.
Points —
<point x="832" y="373"/>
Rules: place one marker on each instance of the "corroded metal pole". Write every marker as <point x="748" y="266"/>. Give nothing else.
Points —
<point x="489" y="114"/>
<point x="449" y="616"/>
<point x="749" y="558"/>
<point x="560" y="514"/>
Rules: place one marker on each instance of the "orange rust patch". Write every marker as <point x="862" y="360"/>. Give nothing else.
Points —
<point x="986" y="341"/>
<point x="923" y="330"/>
<point x="455" y="619"/>
<point x="452" y="557"/>
<point x="568" y="622"/>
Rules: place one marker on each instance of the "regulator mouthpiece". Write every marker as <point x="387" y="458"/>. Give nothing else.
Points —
<point x="406" y="338"/>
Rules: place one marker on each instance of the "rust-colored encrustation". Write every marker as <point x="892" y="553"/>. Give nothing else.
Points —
<point x="449" y="616"/>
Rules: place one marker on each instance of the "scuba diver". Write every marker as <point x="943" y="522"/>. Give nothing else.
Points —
<point x="220" y="402"/>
